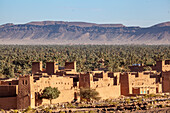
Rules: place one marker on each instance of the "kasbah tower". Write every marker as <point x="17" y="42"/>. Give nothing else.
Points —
<point x="24" y="91"/>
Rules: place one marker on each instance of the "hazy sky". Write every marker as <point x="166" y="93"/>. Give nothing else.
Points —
<point x="128" y="12"/>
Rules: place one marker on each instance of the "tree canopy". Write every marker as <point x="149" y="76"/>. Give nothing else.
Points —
<point x="50" y="93"/>
<point x="89" y="94"/>
<point x="17" y="59"/>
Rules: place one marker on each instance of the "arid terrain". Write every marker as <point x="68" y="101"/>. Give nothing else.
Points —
<point x="60" y="32"/>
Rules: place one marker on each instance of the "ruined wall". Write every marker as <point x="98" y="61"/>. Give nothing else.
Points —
<point x="8" y="103"/>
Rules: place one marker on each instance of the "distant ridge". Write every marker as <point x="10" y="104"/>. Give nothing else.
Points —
<point x="60" y="32"/>
<point x="162" y="24"/>
<point x="80" y="24"/>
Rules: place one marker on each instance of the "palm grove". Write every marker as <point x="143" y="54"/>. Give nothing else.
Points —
<point x="17" y="59"/>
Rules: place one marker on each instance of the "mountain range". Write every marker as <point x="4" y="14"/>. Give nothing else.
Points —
<point x="60" y="32"/>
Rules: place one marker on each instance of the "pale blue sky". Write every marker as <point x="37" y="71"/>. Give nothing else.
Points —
<point x="128" y="12"/>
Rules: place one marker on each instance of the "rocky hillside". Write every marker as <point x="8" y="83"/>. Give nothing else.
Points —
<point x="59" y="32"/>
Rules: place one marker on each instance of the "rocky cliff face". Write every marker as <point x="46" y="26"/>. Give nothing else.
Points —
<point x="59" y="32"/>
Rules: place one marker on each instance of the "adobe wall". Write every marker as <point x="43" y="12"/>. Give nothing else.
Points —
<point x="51" y="67"/>
<point x="162" y="66"/>
<point x="12" y="82"/>
<point x="36" y="67"/>
<point x="84" y="80"/>
<point x="124" y="84"/>
<point x="158" y="66"/>
<point x="116" y="78"/>
<point x="62" y="83"/>
<point x="65" y="96"/>
<point x="159" y="86"/>
<point x="166" y="65"/>
<point x="135" y="91"/>
<point x="8" y="103"/>
<point x="166" y="81"/>
<point x="101" y="83"/>
<point x="8" y="91"/>
<point x="143" y="81"/>
<point x="70" y="65"/>
<point x="109" y="92"/>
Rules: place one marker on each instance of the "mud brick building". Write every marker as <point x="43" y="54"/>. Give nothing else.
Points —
<point x="133" y="83"/>
<point x="163" y="73"/>
<point x="106" y="86"/>
<point x="24" y="91"/>
<point x="160" y="66"/>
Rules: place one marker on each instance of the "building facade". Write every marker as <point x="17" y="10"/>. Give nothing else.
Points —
<point x="24" y="91"/>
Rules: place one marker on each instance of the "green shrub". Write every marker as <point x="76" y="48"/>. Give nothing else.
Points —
<point x="47" y="110"/>
<point x="2" y="110"/>
<point x="40" y="107"/>
<point x="29" y="109"/>
<point x="15" y="111"/>
<point x="54" y="107"/>
<point x="92" y="111"/>
<point x="61" y="111"/>
<point x="71" y="105"/>
<point x="127" y="101"/>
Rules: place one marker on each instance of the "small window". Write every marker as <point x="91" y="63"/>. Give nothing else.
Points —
<point x="23" y="82"/>
<point x="9" y="83"/>
<point x="56" y="82"/>
<point x="26" y="82"/>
